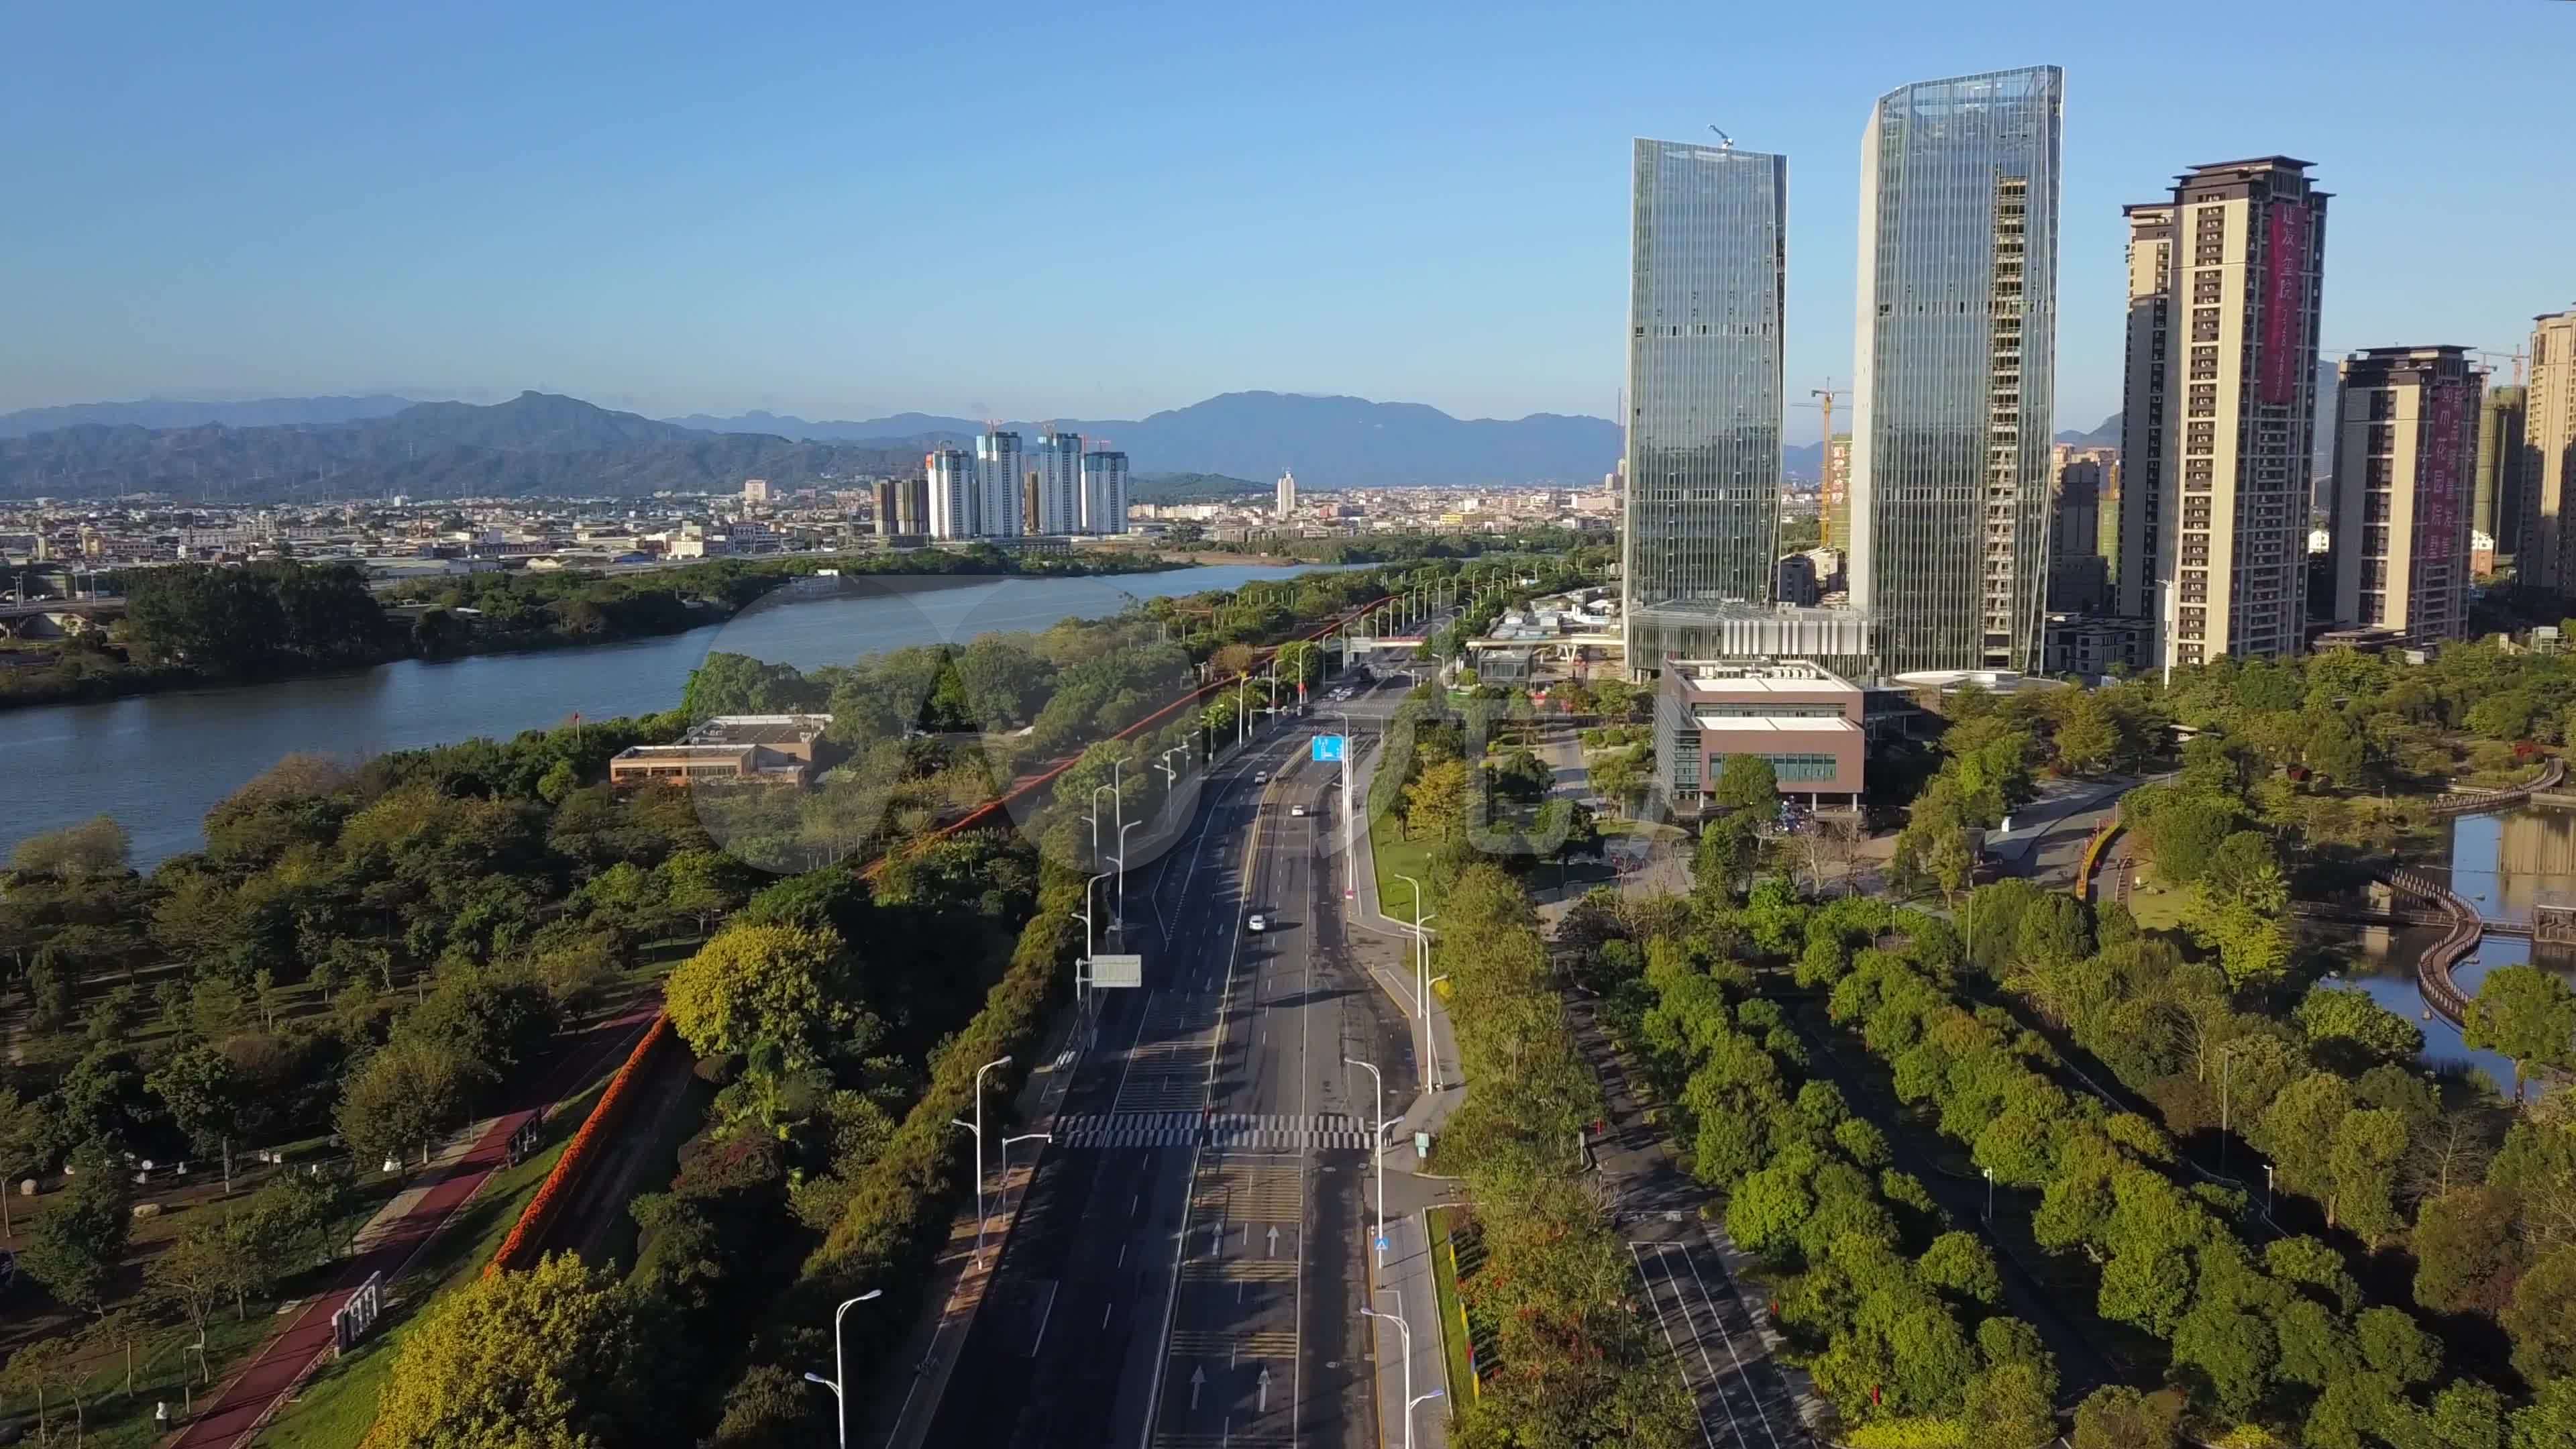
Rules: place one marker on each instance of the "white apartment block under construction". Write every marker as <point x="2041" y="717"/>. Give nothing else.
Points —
<point x="2224" y="283"/>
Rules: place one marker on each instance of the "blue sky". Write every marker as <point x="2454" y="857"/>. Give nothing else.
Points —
<point x="1008" y="209"/>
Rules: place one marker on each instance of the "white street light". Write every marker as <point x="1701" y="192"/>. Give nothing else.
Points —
<point x="1003" y="1154"/>
<point x="1118" y="921"/>
<point x="977" y="1127"/>
<point x="840" y="1405"/>
<point x="1378" y="1141"/>
<point x="1422" y="984"/>
<point x="1405" y="1331"/>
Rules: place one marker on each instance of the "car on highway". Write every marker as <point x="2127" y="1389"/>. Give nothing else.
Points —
<point x="1299" y="811"/>
<point x="1261" y="777"/>
<point x="1258" y="924"/>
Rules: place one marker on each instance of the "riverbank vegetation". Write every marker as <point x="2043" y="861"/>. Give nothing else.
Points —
<point x="364" y="957"/>
<point x="192" y="625"/>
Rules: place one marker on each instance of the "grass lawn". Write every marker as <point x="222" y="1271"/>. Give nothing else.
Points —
<point x="1453" y="1322"/>
<point x="1409" y="857"/>
<point x="338" y="1404"/>
<point x="2157" y="908"/>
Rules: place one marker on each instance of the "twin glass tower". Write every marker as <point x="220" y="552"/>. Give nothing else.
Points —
<point x="1953" y="365"/>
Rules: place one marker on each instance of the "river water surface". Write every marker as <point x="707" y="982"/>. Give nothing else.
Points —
<point x="159" y="762"/>
<point x="2502" y="864"/>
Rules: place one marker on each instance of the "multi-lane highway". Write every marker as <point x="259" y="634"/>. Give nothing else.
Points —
<point x="1187" y="1268"/>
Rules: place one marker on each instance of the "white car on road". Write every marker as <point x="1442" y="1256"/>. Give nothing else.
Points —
<point x="1258" y="924"/>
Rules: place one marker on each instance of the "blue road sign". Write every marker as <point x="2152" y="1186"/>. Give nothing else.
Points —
<point x="1381" y="1243"/>
<point x="1328" y="749"/>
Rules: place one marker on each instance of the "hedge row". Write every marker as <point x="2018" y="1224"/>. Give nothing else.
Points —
<point x="529" y="1232"/>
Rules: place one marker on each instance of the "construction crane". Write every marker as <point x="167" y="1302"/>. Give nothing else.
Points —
<point x="1725" y="142"/>
<point x="2516" y="358"/>
<point x="1825" y="460"/>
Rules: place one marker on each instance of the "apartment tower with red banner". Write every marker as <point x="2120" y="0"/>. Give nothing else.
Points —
<point x="2405" y="458"/>
<point x="2227" y="378"/>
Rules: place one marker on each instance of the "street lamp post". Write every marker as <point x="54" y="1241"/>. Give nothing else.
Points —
<point x="1002" y="1155"/>
<point x="840" y="1405"/>
<point x="1377" y="1141"/>
<point x="1990" y="1194"/>
<point x="1404" y="1332"/>
<point x="977" y="1127"/>
<point x="1118" y="921"/>
<point x="1422" y="985"/>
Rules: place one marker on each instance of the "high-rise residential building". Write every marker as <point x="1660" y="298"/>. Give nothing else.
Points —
<point x="2405" y="451"/>
<point x="2142" y="417"/>
<point x="2548" y="556"/>
<point x="755" y="494"/>
<point x="1104" y="491"/>
<point x="2221" y="408"/>
<point x="1833" y="493"/>
<point x="2082" y="481"/>
<point x="1000" y="489"/>
<point x="1954" y="366"/>
<point x="2503" y="463"/>
<point x="1058" y="509"/>
<point x="884" y="500"/>
<point x="1284" y="504"/>
<point x="953" y="492"/>
<point x="1704" y="390"/>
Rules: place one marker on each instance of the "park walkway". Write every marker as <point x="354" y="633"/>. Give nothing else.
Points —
<point x="394" y="1237"/>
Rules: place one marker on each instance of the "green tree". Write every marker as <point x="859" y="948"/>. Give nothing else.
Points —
<point x="93" y="849"/>
<point x="561" y="1356"/>
<point x="2333" y="750"/>
<point x="2466" y="1255"/>
<point x="2011" y="1407"/>
<point x="206" y="1264"/>
<point x="2525" y="1013"/>
<point x="1746" y="782"/>
<point x="1959" y="1264"/>
<point x="2542" y="1318"/>
<point x="2356" y="1031"/>
<point x="784" y="985"/>
<point x="2086" y="737"/>
<point x="702" y="884"/>
<point x="2119" y="1417"/>
<point x="1435" y="804"/>
<point x="24" y="1131"/>
<point x="2368" y="1145"/>
<point x="204" y="1096"/>
<point x="74" y="1247"/>
<point x="406" y="1095"/>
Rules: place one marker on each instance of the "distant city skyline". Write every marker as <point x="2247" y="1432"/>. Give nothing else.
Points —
<point x="668" y="216"/>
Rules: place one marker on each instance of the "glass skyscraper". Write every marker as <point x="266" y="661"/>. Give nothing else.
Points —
<point x="1953" y="369"/>
<point x="1704" y="390"/>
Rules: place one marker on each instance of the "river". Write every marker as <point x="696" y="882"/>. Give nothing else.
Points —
<point x="159" y="762"/>
<point x="2501" y="864"/>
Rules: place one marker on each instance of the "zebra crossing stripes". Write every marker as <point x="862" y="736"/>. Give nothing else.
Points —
<point x="1254" y="1131"/>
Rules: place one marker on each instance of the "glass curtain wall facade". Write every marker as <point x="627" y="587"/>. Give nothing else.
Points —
<point x="1704" y="389"/>
<point x="1954" y="364"/>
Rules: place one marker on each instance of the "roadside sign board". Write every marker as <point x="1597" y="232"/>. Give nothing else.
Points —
<point x="1328" y="749"/>
<point x="1117" y="971"/>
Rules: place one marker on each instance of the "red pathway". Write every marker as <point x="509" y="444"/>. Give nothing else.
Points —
<point x="245" y="1404"/>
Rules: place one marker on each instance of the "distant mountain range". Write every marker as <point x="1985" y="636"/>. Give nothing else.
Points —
<point x="159" y="412"/>
<point x="544" y="443"/>
<point x="1330" y="442"/>
<point x="537" y="443"/>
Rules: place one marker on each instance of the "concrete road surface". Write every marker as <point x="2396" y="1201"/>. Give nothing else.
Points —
<point x="1187" y="1269"/>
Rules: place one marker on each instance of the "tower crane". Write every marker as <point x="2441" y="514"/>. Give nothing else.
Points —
<point x="1825" y="461"/>
<point x="2516" y="358"/>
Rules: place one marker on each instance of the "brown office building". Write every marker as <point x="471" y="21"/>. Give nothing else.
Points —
<point x="2221" y="406"/>
<point x="2548" y="556"/>
<point x="765" y="749"/>
<point x="1805" y="720"/>
<point x="2405" y="447"/>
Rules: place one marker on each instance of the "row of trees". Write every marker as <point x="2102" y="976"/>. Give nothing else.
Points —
<point x="1574" y="1364"/>
<point x="2284" y="1335"/>
<point x="1897" y="1315"/>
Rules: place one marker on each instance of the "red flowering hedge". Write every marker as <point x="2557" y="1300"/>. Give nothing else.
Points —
<point x="530" y="1230"/>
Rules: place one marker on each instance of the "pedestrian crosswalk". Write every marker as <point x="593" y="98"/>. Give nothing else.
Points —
<point x="1240" y="1131"/>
